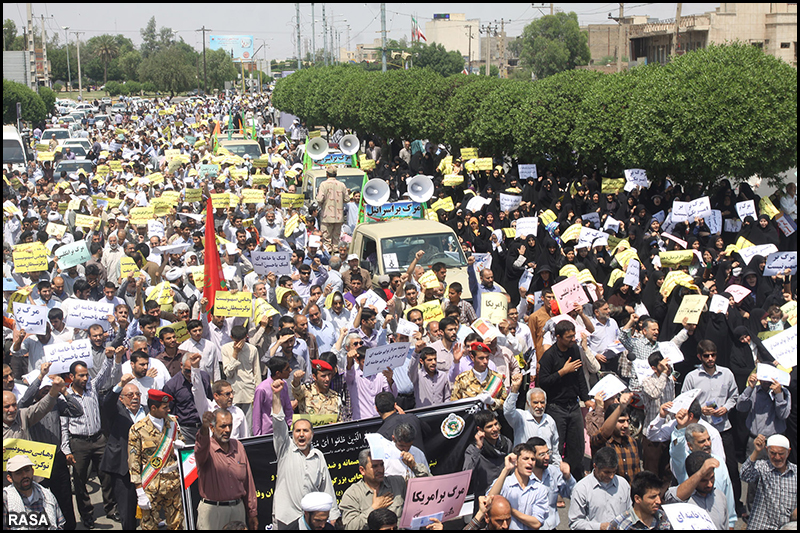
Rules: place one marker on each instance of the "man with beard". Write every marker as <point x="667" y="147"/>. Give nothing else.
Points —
<point x="24" y="495"/>
<point x="699" y="489"/>
<point x="317" y="398"/>
<point x="776" y="496"/>
<point x="223" y="471"/>
<point x="296" y="455"/>
<point x="485" y="455"/>
<point x="527" y="496"/>
<point x="531" y="422"/>
<point x="555" y="477"/>
<point x="615" y="432"/>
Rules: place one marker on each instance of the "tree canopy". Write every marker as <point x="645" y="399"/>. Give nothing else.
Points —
<point x="553" y="44"/>
<point x="725" y="111"/>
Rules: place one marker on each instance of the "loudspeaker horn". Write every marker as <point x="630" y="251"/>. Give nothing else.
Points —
<point x="349" y="144"/>
<point x="420" y="188"/>
<point x="376" y="192"/>
<point x="317" y="148"/>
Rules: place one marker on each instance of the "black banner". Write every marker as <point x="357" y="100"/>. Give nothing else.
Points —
<point x="341" y="444"/>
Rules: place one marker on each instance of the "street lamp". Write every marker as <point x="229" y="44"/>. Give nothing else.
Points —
<point x="69" y="72"/>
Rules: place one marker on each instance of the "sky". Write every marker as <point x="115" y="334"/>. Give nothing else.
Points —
<point x="273" y="25"/>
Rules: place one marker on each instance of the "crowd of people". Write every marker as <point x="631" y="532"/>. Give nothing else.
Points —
<point x="164" y="368"/>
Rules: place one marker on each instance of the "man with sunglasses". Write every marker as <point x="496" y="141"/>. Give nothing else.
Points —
<point x="718" y="396"/>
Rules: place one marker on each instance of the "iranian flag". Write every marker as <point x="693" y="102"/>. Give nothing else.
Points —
<point x="213" y="278"/>
<point x="417" y="32"/>
<point x="189" y="468"/>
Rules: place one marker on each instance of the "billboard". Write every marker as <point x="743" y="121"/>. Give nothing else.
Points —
<point x="239" y="47"/>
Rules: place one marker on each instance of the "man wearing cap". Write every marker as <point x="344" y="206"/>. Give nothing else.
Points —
<point x="317" y="398"/>
<point x="152" y="464"/>
<point x="331" y="197"/>
<point x="353" y="262"/>
<point x="25" y="496"/>
<point x="480" y="381"/>
<point x="776" y="496"/>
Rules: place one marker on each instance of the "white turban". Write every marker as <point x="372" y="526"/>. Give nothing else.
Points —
<point x="778" y="440"/>
<point x="316" y="501"/>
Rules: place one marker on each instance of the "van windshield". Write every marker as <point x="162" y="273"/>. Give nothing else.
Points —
<point x="438" y="247"/>
<point x="12" y="152"/>
<point x="352" y="181"/>
<point x="253" y="150"/>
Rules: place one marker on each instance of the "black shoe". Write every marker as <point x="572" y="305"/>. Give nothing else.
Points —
<point x="88" y="522"/>
<point x="114" y="516"/>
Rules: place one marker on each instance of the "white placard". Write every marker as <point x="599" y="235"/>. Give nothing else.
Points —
<point x="31" y="318"/>
<point x="527" y="226"/>
<point x="569" y="292"/>
<point x="747" y="254"/>
<point x="83" y="313"/>
<point x="380" y="358"/>
<point x="31" y="376"/>
<point x="783" y="347"/>
<point x="407" y="328"/>
<point x="370" y="298"/>
<point x="381" y="449"/>
<point x="642" y="369"/>
<point x="155" y="229"/>
<point x="699" y="207"/>
<point x="591" y="238"/>
<point x="684" y="400"/>
<point x="592" y="217"/>
<point x="635" y="177"/>
<point x="314" y="241"/>
<point x="390" y="262"/>
<point x="609" y="385"/>
<point x="731" y="225"/>
<point x="680" y="242"/>
<point x="632" y="276"/>
<point x="768" y="373"/>
<point x="525" y="279"/>
<point x="528" y="171"/>
<point x="746" y="208"/>
<point x="477" y="203"/>
<point x="70" y="255"/>
<point x="278" y="262"/>
<point x="462" y="332"/>
<point x="778" y="262"/>
<point x="482" y="261"/>
<point x="63" y="354"/>
<point x="680" y="211"/>
<point x="509" y="202"/>
<point x="670" y="351"/>
<point x="714" y="221"/>
<point x="688" y="516"/>
<point x="719" y="304"/>
<point x="172" y="248"/>
<point x="786" y="224"/>
<point x="611" y="223"/>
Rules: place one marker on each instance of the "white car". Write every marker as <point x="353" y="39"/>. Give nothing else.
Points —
<point x="62" y="134"/>
<point x="106" y="100"/>
<point x="89" y="108"/>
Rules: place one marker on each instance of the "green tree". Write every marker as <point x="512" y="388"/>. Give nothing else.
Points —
<point x="129" y="65"/>
<point x="462" y="108"/>
<point x="435" y="57"/>
<point x="33" y="108"/>
<point x="495" y="122"/>
<point x="219" y="68"/>
<point x="494" y="71"/>
<point x="9" y="34"/>
<point x="724" y="111"/>
<point x="554" y="43"/>
<point x="105" y="48"/>
<point x="172" y="70"/>
<point x="155" y="40"/>
<point x="48" y="97"/>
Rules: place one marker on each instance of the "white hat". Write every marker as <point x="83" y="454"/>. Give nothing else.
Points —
<point x="778" y="440"/>
<point x="351" y="257"/>
<point x="20" y="461"/>
<point x="52" y="216"/>
<point x="316" y="501"/>
<point x="122" y="218"/>
<point x="173" y="273"/>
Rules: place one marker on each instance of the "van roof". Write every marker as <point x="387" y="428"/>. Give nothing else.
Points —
<point x="403" y="228"/>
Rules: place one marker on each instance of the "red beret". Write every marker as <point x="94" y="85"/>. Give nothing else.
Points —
<point x="475" y="346"/>
<point x="319" y="364"/>
<point x="158" y="396"/>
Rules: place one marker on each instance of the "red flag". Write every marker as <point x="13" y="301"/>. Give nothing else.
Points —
<point x="213" y="279"/>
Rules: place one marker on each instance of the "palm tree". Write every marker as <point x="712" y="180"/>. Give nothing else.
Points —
<point x="106" y="49"/>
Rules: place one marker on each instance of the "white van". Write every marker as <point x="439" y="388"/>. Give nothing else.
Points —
<point x="14" y="149"/>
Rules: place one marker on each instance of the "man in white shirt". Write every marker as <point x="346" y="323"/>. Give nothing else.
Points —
<point x="412" y="461"/>
<point x="605" y="334"/>
<point x="148" y="372"/>
<point x="210" y="352"/>
<point x="223" y="399"/>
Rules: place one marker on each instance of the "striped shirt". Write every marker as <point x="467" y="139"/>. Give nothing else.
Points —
<point x="776" y="495"/>
<point x="89" y="424"/>
<point x="627" y="453"/>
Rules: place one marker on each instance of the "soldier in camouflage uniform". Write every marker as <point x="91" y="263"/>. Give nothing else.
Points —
<point x="153" y="465"/>
<point x="480" y="381"/>
<point x="317" y="398"/>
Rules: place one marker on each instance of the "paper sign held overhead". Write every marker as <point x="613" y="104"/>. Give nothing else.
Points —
<point x="494" y="307"/>
<point x="280" y="263"/>
<point x="569" y="292"/>
<point x="778" y="262"/>
<point x="691" y="307"/>
<point x="62" y="355"/>
<point x="31" y="318"/>
<point x="380" y="358"/>
<point x="719" y="304"/>
<point x="769" y="373"/>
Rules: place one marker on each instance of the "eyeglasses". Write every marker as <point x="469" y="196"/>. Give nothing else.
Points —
<point x="358" y="343"/>
<point x="710" y="354"/>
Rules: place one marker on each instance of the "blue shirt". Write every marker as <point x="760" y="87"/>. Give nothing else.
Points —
<point x="532" y="500"/>
<point x="326" y="335"/>
<point x="553" y="480"/>
<point x="477" y="289"/>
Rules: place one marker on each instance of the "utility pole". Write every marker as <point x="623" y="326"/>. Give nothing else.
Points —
<point x="299" y="50"/>
<point x="31" y="47"/>
<point x="80" y="80"/>
<point x="324" y="36"/>
<point x="677" y="30"/>
<point x="621" y="38"/>
<point x="551" y="8"/>
<point x="383" y="37"/>
<point x="69" y="72"/>
<point x="469" y="52"/>
<point x="503" y="71"/>
<point x="313" y="37"/>
<point x="45" y="70"/>
<point x="205" y="75"/>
